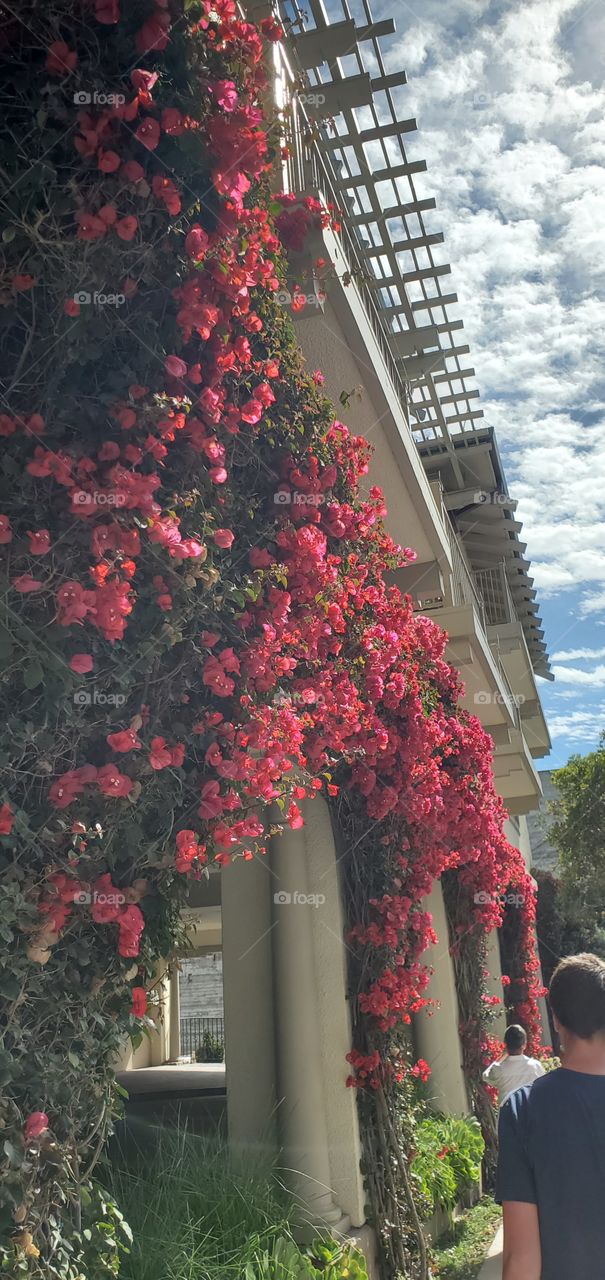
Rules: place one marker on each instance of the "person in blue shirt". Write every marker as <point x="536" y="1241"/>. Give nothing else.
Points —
<point x="551" y="1165"/>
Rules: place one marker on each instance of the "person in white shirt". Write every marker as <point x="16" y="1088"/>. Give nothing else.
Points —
<point x="515" y="1069"/>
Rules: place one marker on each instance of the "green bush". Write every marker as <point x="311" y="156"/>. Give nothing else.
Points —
<point x="447" y="1163"/>
<point x="323" y="1260"/>
<point x="211" y="1049"/>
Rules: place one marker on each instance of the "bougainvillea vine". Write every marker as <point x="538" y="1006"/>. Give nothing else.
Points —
<point x="196" y="624"/>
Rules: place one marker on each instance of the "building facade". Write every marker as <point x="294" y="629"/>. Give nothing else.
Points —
<point x="385" y="333"/>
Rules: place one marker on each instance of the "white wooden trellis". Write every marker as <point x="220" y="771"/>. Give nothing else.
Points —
<point x="360" y="137"/>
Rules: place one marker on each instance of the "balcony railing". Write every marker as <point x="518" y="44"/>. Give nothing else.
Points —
<point x="495" y="593"/>
<point x="464" y="590"/>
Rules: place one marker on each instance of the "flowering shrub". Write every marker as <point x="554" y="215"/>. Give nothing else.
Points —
<point x="447" y="1160"/>
<point x="183" y="642"/>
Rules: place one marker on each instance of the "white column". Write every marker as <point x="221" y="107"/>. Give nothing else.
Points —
<point x="494" y="983"/>
<point x="333" y="1013"/>
<point x="436" y="1029"/>
<point x="174" y="1023"/>
<point x="302" y="1104"/>
<point x="247" y="925"/>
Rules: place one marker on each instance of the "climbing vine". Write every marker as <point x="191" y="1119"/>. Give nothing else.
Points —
<point x="195" y="623"/>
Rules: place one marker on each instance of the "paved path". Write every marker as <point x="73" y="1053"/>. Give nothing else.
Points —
<point x="492" y="1267"/>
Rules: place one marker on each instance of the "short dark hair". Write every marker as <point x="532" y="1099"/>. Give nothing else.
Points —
<point x="515" y="1037"/>
<point x="577" y="994"/>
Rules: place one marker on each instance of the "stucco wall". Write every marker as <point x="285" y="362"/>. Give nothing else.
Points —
<point x="201" y="986"/>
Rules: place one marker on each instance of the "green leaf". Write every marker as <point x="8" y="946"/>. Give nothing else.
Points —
<point x="14" y="1156"/>
<point x="9" y="234"/>
<point x="33" y="674"/>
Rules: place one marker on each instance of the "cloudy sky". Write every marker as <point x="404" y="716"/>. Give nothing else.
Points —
<point x="510" y="103"/>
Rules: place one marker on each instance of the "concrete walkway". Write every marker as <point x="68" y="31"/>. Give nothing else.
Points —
<point x="492" y="1267"/>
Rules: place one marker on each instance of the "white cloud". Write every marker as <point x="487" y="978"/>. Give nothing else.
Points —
<point x="575" y="675"/>
<point x="575" y="655"/>
<point x="510" y="101"/>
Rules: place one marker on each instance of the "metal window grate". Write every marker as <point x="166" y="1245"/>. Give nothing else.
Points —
<point x="192" y="1032"/>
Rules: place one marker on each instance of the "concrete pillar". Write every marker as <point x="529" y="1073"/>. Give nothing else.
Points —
<point x="333" y="1013"/>
<point x="159" y="1043"/>
<point x="302" y="1108"/>
<point x="174" y="1015"/>
<point x="247" y="890"/>
<point x="493" y="983"/>
<point x="436" y="1029"/>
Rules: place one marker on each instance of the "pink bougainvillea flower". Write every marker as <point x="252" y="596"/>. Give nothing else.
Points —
<point x="133" y="171"/>
<point x="139" y="1002"/>
<point x="172" y="121"/>
<point x="39" y="542"/>
<point x="218" y="475"/>
<point x="71" y="307"/>
<point x="108" y="161"/>
<point x="225" y="93"/>
<point x="60" y="59"/>
<point x="89" y="226"/>
<point x="36" y="1124"/>
<point x="113" y="783"/>
<point x="160" y="755"/>
<point x="6" y="533"/>
<point x="271" y="29"/>
<point x="126" y="228"/>
<point x="252" y="411"/>
<point x="175" y="367"/>
<point x="124" y="740"/>
<point x="131" y="923"/>
<point x="148" y="133"/>
<point x="196" y="242"/>
<point x="107" y="11"/>
<point x="260" y="558"/>
<point x="81" y="663"/>
<point x="223" y="538"/>
<point x="25" y="583"/>
<point x="7" y="818"/>
<point x="108" y="215"/>
<point x="143" y="81"/>
<point x="23" y="283"/>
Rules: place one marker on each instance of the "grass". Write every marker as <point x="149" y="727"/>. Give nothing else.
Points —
<point x="196" y="1212"/>
<point x="460" y="1254"/>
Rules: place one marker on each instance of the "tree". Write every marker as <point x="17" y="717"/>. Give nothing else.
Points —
<point x="578" y="832"/>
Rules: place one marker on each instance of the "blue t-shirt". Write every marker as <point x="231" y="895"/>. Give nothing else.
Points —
<point x="552" y="1154"/>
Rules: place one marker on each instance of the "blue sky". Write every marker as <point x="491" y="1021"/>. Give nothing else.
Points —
<point x="510" y="103"/>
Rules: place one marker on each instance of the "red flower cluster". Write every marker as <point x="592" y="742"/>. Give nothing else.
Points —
<point x="309" y="666"/>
